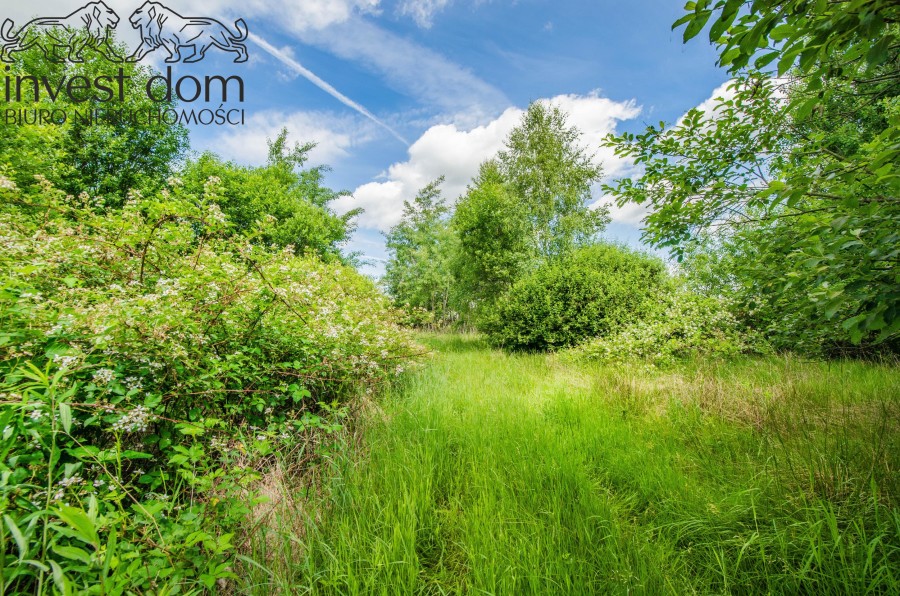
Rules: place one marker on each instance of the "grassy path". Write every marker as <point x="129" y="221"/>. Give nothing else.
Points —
<point x="499" y="474"/>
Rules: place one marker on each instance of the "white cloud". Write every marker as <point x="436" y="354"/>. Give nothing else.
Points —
<point x="335" y="135"/>
<point x="307" y="15"/>
<point x="631" y="213"/>
<point x="422" y="11"/>
<point x="285" y="58"/>
<point x="456" y="153"/>
<point x="412" y="69"/>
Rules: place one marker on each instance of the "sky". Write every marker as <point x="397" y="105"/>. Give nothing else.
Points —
<point x="399" y="92"/>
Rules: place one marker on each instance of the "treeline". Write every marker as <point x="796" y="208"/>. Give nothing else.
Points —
<point x="779" y="205"/>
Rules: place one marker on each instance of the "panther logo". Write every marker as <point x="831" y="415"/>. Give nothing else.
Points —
<point x="89" y="27"/>
<point x="160" y="26"/>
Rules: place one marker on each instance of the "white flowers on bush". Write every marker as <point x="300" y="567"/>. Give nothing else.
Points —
<point x="137" y="420"/>
<point x="686" y="325"/>
<point x="65" y="361"/>
<point x="7" y="184"/>
<point x="104" y="376"/>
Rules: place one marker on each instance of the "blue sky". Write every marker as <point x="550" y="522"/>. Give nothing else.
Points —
<point x="449" y="77"/>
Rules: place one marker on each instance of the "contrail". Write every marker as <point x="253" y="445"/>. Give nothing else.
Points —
<point x="318" y="82"/>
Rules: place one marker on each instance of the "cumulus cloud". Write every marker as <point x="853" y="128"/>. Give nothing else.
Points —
<point x="456" y="153"/>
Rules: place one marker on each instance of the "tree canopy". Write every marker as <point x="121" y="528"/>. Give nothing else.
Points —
<point x="793" y="173"/>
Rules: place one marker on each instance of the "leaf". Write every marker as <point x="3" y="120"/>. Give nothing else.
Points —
<point x="65" y="416"/>
<point x="79" y="521"/>
<point x="781" y="32"/>
<point x="17" y="536"/>
<point x="696" y="25"/>
<point x="110" y="551"/>
<point x="72" y="552"/>
<point x="190" y="430"/>
<point x="806" y="108"/>
<point x="720" y="26"/>
<point x="766" y="59"/>
<point x="60" y="579"/>
<point x="879" y="52"/>
<point x="685" y="19"/>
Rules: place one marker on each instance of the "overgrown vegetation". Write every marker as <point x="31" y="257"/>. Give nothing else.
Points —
<point x="108" y="158"/>
<point x="291" y="201"/>
<point x="185" y="348"/>
<point x="165" y="329"/>
<point x="789" y="184"/>
<point x="150" y="358"/>
<point x="522" y="474"/>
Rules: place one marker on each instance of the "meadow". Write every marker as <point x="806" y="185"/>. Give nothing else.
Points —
<point x="490" y="472"/>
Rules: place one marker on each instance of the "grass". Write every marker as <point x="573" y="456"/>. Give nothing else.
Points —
<point x="490" y="473"/>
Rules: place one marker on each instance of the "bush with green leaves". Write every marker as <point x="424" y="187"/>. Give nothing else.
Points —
<point x="148" y="358"/>
<point x="285" y="190"/>
<point x="588" y="293"/>
<point x="686" y="324"/>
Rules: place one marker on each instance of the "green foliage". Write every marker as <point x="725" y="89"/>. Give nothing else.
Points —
<point x="421" y="248"/>
<point x="293" y="202"/>
<point x="812" y="36"/>
<point x="588" y="293"/>
<point x="149" y="360"/>
<point x="797" y="175"/>
<point x="107" y="158"/>
<point x="551" y="176"/>
<point x="493" y="231"/>
<point x="687" y="325"/>
<point x="527" y="206"/>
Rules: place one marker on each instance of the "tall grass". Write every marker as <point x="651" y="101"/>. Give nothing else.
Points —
<point x="525" y="474"/>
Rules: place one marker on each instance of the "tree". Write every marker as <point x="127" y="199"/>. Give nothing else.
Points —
<point x="551" y="176"/>
<point x="527" y="206"/>
<point x="106" y="158"/>
<point x="796" y="174"/>
<point x="421" y="248"/>
<point x="283" y="189"/>
<point x="493" y="232"/>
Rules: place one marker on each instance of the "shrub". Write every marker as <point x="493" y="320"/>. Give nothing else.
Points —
<point x="587" y="293"/>
<point x="147" y="359"/>
<point x="687" y="324"/>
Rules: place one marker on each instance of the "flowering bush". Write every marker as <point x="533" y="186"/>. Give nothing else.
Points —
<point x="147" y="356"/>
<point x="686" y="324"/>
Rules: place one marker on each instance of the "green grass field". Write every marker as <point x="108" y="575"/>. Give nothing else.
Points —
<point x="490" y="473"/>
